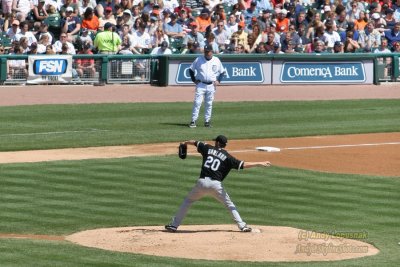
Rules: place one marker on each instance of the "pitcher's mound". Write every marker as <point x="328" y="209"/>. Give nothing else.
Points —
<point x="226" y="242"/>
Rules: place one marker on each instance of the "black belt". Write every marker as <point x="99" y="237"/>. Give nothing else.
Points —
<point x="208" y="83"/>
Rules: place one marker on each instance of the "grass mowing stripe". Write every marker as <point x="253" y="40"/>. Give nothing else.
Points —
<point x="141" y="122"/>
<point x="286" y="197"/>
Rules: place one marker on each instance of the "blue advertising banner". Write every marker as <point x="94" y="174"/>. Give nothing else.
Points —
<point x="326" y="72"/>
<point x="235" y="72"/>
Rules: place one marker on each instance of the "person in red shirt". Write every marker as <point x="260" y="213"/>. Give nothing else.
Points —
<point x="85" y="67"/>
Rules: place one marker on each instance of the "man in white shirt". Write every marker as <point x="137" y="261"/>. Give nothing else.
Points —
<point x="24" y="27"/>
<point x="63" y="40"/>
<point x="162" y="50"/>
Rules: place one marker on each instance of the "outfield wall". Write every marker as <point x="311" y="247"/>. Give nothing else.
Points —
<point x="241" y="69"/>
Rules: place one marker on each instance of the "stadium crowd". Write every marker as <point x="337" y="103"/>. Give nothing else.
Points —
<point x="186" y="26"/>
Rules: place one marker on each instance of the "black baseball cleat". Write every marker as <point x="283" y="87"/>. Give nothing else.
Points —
<point x="207" y="124"/>
<point x="192" y="124"/>
<point x="171" y="228"/>
<point x="246" y="229"/>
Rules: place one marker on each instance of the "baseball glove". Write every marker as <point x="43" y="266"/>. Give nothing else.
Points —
<point x="182" y="151"/>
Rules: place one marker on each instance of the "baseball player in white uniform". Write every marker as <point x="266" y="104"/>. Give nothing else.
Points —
<point x="206" y="72"/>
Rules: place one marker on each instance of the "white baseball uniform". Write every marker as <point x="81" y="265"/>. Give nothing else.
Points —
<point x="206" y="72"/>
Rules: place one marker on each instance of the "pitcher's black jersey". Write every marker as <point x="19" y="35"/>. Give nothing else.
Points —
<point x="217" y="162"/>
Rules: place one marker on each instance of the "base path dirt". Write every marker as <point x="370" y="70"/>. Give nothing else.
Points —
<point x="370" y="154"/>
<point x="226" y="242"/>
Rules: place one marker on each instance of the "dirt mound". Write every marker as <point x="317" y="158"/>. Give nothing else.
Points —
<point x="226" y="242"/>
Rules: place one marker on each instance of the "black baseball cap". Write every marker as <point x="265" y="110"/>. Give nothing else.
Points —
<point x="221" y="139"/>
<point x="208" y="48"/>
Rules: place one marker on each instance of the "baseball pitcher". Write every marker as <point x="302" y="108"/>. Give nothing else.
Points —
<point x="206" y="72"/>
<point x="217" y="163"/>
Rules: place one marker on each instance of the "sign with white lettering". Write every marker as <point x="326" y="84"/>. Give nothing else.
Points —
<point x="49" y="69"/>
<point x="322" y="72"/>
<point x="235" y="72"/>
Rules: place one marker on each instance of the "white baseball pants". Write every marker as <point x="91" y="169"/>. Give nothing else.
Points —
<point x="208" y="187"/>
<point x="206" y="92"/>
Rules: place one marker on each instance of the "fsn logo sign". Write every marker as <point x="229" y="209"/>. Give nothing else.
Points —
<point x="243" y="72"/>
<point x="324" y="72"/>
<point x="50" y="66"/>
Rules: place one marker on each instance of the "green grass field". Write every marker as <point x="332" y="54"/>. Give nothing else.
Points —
<point x="63" y="197"/>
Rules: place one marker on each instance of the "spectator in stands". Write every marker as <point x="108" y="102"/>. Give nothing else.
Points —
<point x="68" y="4"/>
<point x="203" y="20"/>
<point x="90" y="21"/>
<point x="127" y="19"/>
<point x="39" y="12"/>
<point x="319" y="47"/>
<point x="85" y="37"/>
<point x="338" y="47"/>
<point x="282" y="22"/>
<point x="107" y="17"/>
<point x="222" y="36"/>
<point x="269" y="44"/>
<point x="341" y="22"/>
<point x="316" y="27"/>
<point x="242" y="35"/>
<point x="71" y="25"/>
<point x="43" y="43"/>
<point x="192" y="48"/>
<point x="232" y="25"/>
<point x="220" y="12"/>
<point x="183" y="6"/>
<point x="126" y="4"/>
<point x="126" y="46"/>
<point x="393" y="35"/>
<point x="136" y="12"/>
<point x="24" y="26"/>
<point x="350" y="45"/>
<point x="159" y="37"/>
<point x="141" y="40"/>
<point x="50" y="50"/>
<point x="361" y="22"/>
<point x="389" y="19"/>
<point x="194" y="36"/>
<point x="162" y="49"/>
<point x="2" y="49"/>
<point x="396" y="48"/>
<point x="85" y="67"/>
<point x="330" y="36"/>
<point x="173" y="29"/>
<point x="250" y="12"/>
<point x="22" y="8"/>
<point x="100" y="8"/>
<point x="7" y="7"/>
<point x="260" y="49"/>
<point x="353" y="13"/>
<point x="379" y="23"/>
<point x="14" y="29"/>
<point x="64" y="41"/>
<point x="276" y="49"/>
<point x="33" y="49"/>
<point x="43" y="30"/>
<point x="210" y="40"/>
<point x="265" y="19"/>
<point x="369" y="38"/>
<point x="82" y="5"/>
<point x="396" y="13"/>
<point x="290" y="36"/>
<point x="184" y="19"/>
<point x="23" y="43"/>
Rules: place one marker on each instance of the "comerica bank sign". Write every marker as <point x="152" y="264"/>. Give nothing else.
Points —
<point x="242" y="72"/>
<point x="327" y="72"/>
